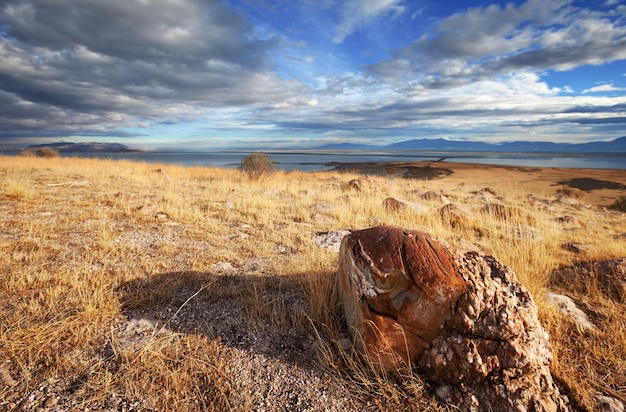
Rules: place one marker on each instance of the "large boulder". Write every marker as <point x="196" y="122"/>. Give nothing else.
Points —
<point x="463" y="320"/>
<point x="398" y="286"/>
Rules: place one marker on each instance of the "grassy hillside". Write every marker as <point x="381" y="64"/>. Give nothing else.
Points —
<point x="132" y="286"/>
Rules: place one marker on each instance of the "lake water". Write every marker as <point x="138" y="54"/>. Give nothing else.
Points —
<point x="316" y="160"/>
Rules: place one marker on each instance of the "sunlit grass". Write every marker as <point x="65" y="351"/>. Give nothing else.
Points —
<point x="74" y="249"/>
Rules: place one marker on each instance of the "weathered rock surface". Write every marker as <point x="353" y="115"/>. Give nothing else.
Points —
<point x="464" y="320"/>
<point x="397" y="287"/>
<point x="569" y="308"/>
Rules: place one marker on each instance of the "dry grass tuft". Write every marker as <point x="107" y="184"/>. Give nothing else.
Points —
<point x="157" y="287"/>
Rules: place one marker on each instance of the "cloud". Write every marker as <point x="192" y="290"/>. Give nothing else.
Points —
<point x="358" y="13"/>
<point x="118" y="62"/>
<point x="482" y="42"/>
<point x="604" y="88"/>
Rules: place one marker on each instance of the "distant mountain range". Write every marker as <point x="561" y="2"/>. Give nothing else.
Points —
<point x="443" y="145"/>
<point x="436" y="145"/>
<point x="69" y="147"/>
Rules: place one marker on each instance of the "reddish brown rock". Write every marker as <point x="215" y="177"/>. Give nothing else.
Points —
<point x="463" y="320"/>
<point x="392" y="204"/>
<point x="397" y="286"/>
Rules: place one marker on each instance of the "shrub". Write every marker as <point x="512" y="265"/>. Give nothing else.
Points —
<point x="40" y="152"/>
<point x="257" y="165"/>
<point x="571" y="192"/>
<point x="619" y="204"/>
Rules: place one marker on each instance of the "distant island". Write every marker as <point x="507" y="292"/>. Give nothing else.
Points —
<point x="443" y="145"/>
<point x="70" y="147"/>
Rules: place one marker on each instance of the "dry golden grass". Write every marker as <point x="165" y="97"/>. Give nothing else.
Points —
<point x="239" y="305"/>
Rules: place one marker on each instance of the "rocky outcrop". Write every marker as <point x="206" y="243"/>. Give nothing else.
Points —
<point x="398" y="286"/>
<point x="463" y="320"/>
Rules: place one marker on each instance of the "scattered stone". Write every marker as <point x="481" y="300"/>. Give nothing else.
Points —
<point x="391" y="204"/>
<point x="511" y="214"/>
<point x="521" y="232"/>
<point x="456" y="216"/>
<point x="567" y="220"/>
<point x="464" y="320"/>
<point x="255" y="264"/>
<point x="363" y="183"/>
<point x="609" y="404"/>
<point x="569" y="308"/>
<point x="7" y="239"/>
<point x="284" y="249"/>
<point x="72" y="184"/>
<point x="534" y="200"/>
<point x="322" y="219"/>
<point x="485" y="191"/>
<point x="125" y="195"/>
<point x="322" y="207"/>
<point x="577" y="247"/>
<point x="5" y="376"/>
<point x="223" y="267"/>
<point x="567" y="201"/>
<point x="433" y="196"/>
<point x="330" y="240"/>
<point x="345" y="198"/>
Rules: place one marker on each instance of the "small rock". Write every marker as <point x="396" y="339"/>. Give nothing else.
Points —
<point x="362" y="183"/>
<point x="569" y="308"/>
<point x="609" y="404"/>
<point x="433" y="196"/>
<point x="577" y="247"/>
<point x="223" y="267"/>
<point x="330" y="240"/>
<point x="51" y="402"/>
<point x="391" y="204"/>
<point x="567" y="220"/>
<point x="455" y="216"/>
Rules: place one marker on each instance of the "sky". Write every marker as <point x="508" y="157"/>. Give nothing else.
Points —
<point x="207" y="74"/>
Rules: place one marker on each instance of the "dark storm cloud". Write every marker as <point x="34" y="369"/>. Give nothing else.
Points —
<point x="120" y="60"/>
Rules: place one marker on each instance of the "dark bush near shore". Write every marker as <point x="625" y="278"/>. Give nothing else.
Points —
<point x="257" y="165"/>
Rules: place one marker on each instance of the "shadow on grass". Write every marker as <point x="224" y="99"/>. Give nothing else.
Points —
<point x="263" y="314"/>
